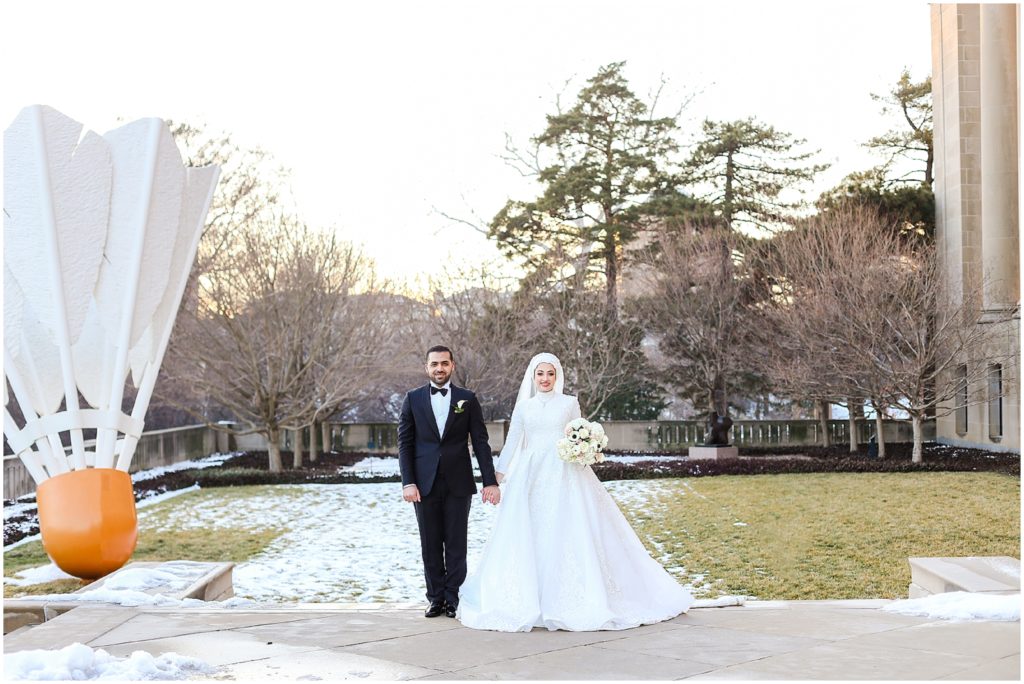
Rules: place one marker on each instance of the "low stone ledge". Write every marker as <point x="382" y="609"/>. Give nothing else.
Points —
<point x="976" y="574"/>
<point x="196" y="580"/>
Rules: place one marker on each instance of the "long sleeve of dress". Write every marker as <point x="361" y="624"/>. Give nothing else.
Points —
<point x="575" y="411"/>
<point x="513" y="442"/>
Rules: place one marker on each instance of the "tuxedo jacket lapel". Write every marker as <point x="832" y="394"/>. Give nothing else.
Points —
<point x="427" y="411"/>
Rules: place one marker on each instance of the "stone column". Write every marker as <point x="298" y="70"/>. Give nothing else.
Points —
<point x="999" y="193"/>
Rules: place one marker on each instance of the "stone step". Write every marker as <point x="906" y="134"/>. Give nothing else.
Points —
<point x="184" y="579"/>
<point x="995" y="574"/>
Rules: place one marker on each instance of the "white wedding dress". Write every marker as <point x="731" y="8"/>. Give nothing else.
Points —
<point x="561" y="555"/>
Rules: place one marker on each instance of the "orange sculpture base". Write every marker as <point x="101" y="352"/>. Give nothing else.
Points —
<point x="88" y="522"/>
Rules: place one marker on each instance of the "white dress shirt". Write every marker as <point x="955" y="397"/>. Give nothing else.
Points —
<point x="441" y="405"/>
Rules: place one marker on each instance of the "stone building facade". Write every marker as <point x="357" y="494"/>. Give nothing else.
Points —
<point x="976" y="94"/>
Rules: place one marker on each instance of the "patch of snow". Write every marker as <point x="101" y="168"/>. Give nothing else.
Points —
<point x="632" y="458"/>
<point x="23" y="540"/>
<point x="15" y="509"/>
<point x="373" y="465"/>
<point x="741" y="524"/>
<point x="80" y="662"/>
<point x="157" y="498"/>
<point x="961" y="605"/>
<point x="199" y="463"/>
<point x="39" y="575"/>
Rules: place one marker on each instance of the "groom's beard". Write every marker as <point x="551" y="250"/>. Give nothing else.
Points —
<point x="440" y="378"/>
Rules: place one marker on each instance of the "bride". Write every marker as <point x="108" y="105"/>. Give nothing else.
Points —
<point x="561" y="555"/>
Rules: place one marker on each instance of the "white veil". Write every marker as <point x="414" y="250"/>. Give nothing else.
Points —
<point x="527" y="390"/>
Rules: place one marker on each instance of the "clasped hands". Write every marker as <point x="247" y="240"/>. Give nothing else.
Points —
<point x="490" y="494"/>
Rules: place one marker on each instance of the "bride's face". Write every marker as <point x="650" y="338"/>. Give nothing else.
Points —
<point x="544" y="377"/>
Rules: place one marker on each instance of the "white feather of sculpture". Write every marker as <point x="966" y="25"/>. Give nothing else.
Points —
<point x="104" y="231"/>
<point x="60" y="203"/>
<point x="29" y="353"/>
<point x="199" y="186"/>
<point x="148" y="354"/>
<point x="78" y="190"/>
<point x="146" y="201"/>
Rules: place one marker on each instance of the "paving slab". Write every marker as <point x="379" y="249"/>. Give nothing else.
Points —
<point x="845" y="640"/>
<point x="1004" y="668"/>
<point x="327" y="664"/>
<point x="713" y="645"/>
<point x="838" y="660"/>
<point x="586" y="662"/>
<point x="482" y="647"/>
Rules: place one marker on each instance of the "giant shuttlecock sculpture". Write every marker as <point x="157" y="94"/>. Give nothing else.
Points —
<point x="100" y="233"/>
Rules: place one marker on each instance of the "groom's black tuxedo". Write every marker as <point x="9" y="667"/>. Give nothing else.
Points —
<point x="438" y="464"/>
<point x="422" y="452"/>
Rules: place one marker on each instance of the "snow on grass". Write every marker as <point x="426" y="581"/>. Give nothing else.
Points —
<point x="40" y="575"/>
<point x="344" y="543"/>
<point x="347" y="543"/>
<point x="197" y="464"/>
<point x="633" y="458"/>
<point x="374" y="465"/>
<point x="79" y="662"/>
<point x="961" y="605"/>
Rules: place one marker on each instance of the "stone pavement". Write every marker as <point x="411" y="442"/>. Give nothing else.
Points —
<point x="761" y="640"/>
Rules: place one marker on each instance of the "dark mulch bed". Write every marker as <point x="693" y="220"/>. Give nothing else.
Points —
<point x="251" y="468"/>
<point x="818" y="459"/>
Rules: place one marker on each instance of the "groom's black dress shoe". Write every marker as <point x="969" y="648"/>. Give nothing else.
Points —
<point x="450" y="609"/>
<point x="435" y="609"/>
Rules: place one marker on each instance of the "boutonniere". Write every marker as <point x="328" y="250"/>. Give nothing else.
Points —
<point x="460" y="406"/>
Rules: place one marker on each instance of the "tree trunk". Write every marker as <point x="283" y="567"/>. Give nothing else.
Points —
<point x="730" y="174"/>
<point x="918" y="439"/>
<point x="879" y="434"/>
<point x="826" y="438"/>
<point x="854" y="441"/>
<point x="325" y="436"/>
<point x="274" y="449"/>
<point x="611" y="269"/>
<point x="313" y="449"/>
<point x="719" y="396"/>
<point x="297" y="448"/>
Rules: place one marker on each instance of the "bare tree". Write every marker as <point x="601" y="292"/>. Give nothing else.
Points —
<point x="695" y="307"/>
<point x="602" y="356"/>
<point x="277" y="335"/>
<point x="489" y="326"/>
<point x="859" y="311"/>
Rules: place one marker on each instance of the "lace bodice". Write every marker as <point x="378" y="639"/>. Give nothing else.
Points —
<point x="538" y="425"/>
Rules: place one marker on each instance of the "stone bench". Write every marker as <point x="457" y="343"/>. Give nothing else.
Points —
<point x="193" y="580"/>
<point x="985" y="574"/>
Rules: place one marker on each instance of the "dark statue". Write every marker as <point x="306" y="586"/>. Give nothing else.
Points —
<point x="718" y="430"/>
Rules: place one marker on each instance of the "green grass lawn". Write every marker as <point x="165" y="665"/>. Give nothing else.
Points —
<point x="826" y="536"/>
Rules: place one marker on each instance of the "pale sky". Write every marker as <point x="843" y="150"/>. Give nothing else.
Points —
<point x="389" y="111"/>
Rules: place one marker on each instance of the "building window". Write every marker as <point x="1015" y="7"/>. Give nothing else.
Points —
<point x="961" y="400"/>
<point x="995" y="402"/>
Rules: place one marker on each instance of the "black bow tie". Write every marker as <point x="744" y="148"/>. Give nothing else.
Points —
<point x="442" y="390"/>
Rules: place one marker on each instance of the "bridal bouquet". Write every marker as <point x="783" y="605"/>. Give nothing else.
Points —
<point x="583" y="442"/>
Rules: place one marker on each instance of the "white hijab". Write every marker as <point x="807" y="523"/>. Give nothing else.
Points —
<point x="528" y="390"/>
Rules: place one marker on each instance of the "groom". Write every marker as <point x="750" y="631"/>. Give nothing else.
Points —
<point x="438" y="420"/>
